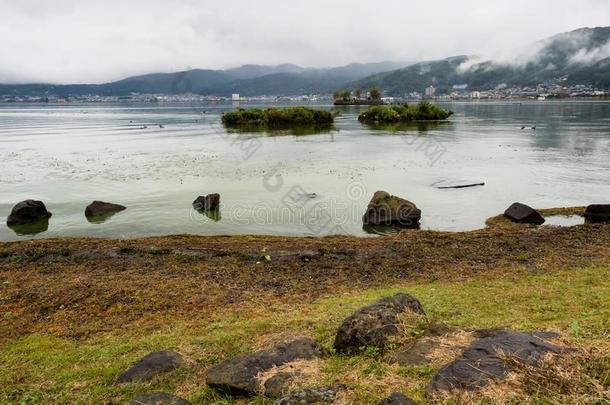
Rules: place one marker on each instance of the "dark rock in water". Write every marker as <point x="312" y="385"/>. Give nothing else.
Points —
<point x="158" y="398"/>
<point x="210" y="202"/>
<point x="522" y="213"/>
<point x="32" y="228"/>
<point x="597" y="213"/>
<point x="484" y="360"/>
<point x="151" y="365"/>
<point x="240" y="375"/>
<point x="373" y="324"/>
<point x="312" y="396"/>
<point x="212" y="215"/>
<point x="397" y="399"/>
<point x="386" y="209"/>
<point x="101" y="210"/>
<point x="27" y="212"/>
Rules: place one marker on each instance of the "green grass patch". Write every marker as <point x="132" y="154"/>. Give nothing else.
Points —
<point x="41" y="369"/>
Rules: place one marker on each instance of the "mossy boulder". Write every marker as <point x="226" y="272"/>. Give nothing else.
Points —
<point x="374" y="324"/>
<point x="386" y="209"/>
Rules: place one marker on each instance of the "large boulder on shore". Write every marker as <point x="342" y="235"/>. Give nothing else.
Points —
<point x="522" y="213"/>
<point x="158" y="398"/>
<point x="597" y="213"/>
<point x="373" y="324"/>
<point x="101" y="209"/>
<point x="210" y="202"/>
<point x="151" y="365"/>
<point x="27" y="212"/>
<point x="241" y="375"/>
<point x="492" y="357"/>
<point x="386" y="209"/>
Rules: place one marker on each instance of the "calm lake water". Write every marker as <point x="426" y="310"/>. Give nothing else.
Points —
<point x="70" y="155"/>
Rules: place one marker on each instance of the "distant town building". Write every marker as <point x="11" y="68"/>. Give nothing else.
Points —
<point x="475" y="94"/>
<point x="235" y="96"/>
<point x="429" y="91"/>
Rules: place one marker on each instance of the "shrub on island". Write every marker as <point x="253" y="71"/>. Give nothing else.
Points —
<point x="277" y="117"/>
<point x="423" y="111"/>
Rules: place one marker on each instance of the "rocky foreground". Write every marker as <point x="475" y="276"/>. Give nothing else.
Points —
<point x="252" y="319"/>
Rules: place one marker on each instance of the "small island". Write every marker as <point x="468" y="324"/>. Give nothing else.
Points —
<point x="405" y="113"/>
<point x="277" y="118"/>
<point x="346" y="97"/>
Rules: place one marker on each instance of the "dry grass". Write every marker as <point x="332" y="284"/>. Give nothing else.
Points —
<point x="76" y="312"/>
<point x="307" y="372"/>
<point x="581" y="377"/>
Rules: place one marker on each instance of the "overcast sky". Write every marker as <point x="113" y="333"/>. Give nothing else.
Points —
<point x="76" y="41"/>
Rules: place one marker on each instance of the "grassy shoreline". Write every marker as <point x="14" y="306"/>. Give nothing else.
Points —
<point x="77" y="311"/>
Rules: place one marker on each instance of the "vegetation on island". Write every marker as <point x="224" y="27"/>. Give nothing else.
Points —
<point x="277" y="118"/>
<point x="423" y="111"/>
<point x="346" y="97"/>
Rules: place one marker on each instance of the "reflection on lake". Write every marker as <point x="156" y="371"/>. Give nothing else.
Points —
<point x="156" y="158"/>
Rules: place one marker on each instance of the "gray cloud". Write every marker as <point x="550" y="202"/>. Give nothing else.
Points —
<point x="92" y="41"/>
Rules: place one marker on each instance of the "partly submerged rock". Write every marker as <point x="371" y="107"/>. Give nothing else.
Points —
<point x="210" y="202"/>
<point x="158" y="398"/>
<point x="241" y="374"/>
<point x="373" y="324"/>
<point x="522" y="213"/>
<point x="151" y="365"/>
<point x="386" y="209"/>
<point x="597" y="213"/>
<point x="99" y="211"/>
<point x="486" y="359"/>
<point x="396" y="398"/>
<point x="27" y="212"/>
<point x="312" y="396"/>
<point x="33" y="228"/>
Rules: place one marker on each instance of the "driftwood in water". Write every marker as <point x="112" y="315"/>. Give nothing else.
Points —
<point x="463" y="185"/>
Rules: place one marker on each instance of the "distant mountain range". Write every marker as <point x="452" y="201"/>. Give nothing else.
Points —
<point x="248" y="80"/>
<point x="577" y="57"/>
